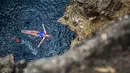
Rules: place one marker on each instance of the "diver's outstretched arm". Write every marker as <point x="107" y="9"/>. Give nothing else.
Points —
<point x="41" y="42"/>
<point x="44" y="28"/>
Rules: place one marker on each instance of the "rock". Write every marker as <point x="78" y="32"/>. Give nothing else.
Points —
<point x="20" y="66"/>
<point x="126" y="2"/>
<point x="92" y="15"/>
<point x="7" y="64"/>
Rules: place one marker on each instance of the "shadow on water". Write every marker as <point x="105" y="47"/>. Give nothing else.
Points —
<point x="16" y="15"/>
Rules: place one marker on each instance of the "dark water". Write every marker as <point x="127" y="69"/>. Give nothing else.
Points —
<point x="16" y="15"/>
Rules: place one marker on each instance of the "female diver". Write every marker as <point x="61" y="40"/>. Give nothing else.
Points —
<point x="37" y="34"/>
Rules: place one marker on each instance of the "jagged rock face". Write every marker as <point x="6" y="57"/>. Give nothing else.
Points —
<point x="86" y="16"/>
<point x="105" y="7"/>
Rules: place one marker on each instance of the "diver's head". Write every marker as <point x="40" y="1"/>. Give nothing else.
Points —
<point x="47" y="35"/>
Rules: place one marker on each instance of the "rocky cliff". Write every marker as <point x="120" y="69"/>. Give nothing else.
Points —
<point x="105" y="51"/>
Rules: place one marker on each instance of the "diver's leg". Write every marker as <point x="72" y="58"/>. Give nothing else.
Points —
<point x="30" y="32"/>
<point x="26" y="31"/>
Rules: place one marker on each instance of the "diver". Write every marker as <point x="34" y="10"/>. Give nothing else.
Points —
<point x="43" y="35"/>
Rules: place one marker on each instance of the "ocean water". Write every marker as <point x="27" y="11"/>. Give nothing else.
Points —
<point x="17" y="15"/>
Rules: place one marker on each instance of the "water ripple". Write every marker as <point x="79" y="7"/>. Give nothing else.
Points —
<point x="17" y="15"/>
